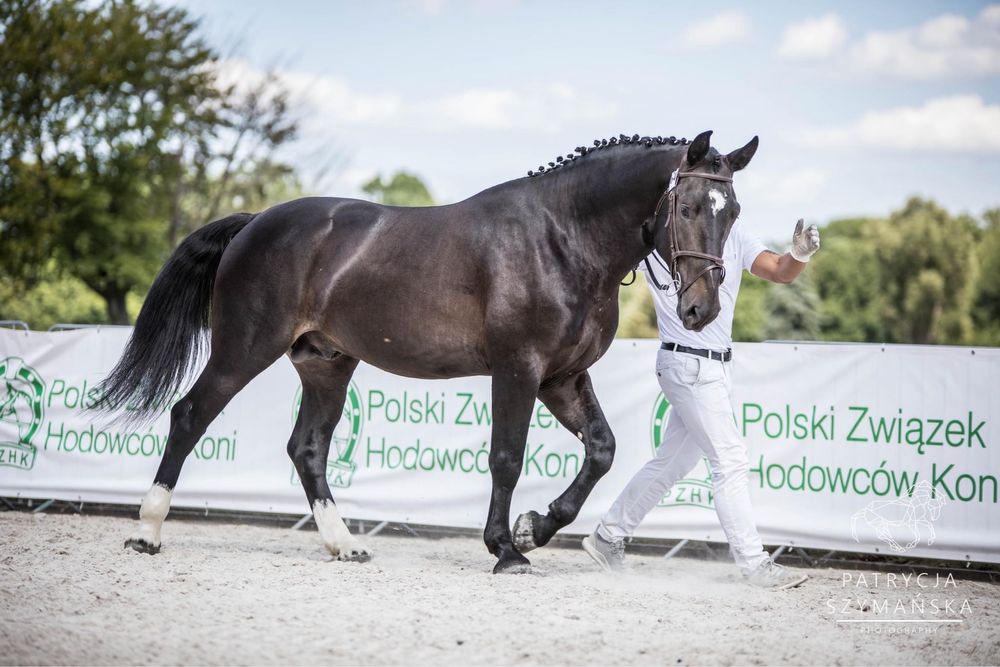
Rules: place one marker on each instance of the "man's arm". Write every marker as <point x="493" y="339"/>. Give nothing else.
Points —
<point x="777" y="268"/>
<point x="786" y="268"/>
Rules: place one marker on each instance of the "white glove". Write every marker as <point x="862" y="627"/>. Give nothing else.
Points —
<point x="805" y="242"/>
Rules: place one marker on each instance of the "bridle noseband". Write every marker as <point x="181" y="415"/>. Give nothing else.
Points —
<point x="670" y="197"/>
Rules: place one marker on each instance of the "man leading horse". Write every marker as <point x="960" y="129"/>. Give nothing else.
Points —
<point x="694" y="369"/>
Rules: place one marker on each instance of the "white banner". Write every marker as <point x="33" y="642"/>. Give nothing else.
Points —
<point x="853" y="447"/>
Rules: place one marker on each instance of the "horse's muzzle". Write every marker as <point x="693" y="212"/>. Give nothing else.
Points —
<point x="699" y="315"/>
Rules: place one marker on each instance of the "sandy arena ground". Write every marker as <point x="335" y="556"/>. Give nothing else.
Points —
<point x="226" y="593"/>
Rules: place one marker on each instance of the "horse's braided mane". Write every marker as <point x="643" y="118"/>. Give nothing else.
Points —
<point x="599" y="144"/>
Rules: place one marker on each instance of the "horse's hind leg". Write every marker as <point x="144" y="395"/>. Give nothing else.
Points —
<point x="324" y="392"/>
<point x="226" y="372"/>
<point x="575" y="405"/>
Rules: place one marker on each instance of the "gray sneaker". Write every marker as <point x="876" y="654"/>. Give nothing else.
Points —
<point x="610" y="555"/>
<point x="771" y="575"/>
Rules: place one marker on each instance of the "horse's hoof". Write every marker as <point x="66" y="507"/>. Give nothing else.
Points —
<point x="515" y="564"/>
<point x="142" y="546"/>
<point x="524" y="531"/>
<point x="358" y="554"/>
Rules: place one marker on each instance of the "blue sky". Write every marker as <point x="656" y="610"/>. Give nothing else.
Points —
<point x="857" y="104"/>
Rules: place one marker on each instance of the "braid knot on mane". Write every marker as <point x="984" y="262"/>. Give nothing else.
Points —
<point x="600" y="144"/>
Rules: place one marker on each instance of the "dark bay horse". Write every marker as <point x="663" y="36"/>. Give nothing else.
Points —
<point x="519" y="282"/>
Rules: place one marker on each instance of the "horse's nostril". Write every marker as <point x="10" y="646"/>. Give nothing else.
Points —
<point x="692" y="316"/>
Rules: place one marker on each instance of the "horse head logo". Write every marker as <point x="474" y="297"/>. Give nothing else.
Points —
<point x="22" y="394"/>
<point x="340" y="465"/>
<point x="904" y="522"/>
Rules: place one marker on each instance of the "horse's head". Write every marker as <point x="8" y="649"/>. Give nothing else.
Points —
<point x="701" y="208"/>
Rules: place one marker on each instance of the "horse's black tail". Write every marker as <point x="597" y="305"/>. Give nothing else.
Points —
<point x="169" y="333"/>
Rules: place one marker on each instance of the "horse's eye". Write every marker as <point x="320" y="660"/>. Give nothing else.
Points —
<point x="686" y="211"/>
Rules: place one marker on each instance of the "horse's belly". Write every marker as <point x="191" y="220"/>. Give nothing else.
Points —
<point x="421" y="358"/>
<point x="410" y="342"/>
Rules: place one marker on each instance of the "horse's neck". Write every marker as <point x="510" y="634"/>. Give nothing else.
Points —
<point x="610" y="200"/>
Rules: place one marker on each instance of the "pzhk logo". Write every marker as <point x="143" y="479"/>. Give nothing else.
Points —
<point x="695" y="489"/>
<point x="340" y="466"/>
<point x="21" y="406"/>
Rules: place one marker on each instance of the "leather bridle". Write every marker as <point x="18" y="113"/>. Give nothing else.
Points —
<point x="670" y="197"/>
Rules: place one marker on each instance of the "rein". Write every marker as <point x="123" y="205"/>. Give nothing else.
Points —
<point x="670" y="197"/>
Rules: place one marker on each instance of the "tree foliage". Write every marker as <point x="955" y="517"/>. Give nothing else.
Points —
<point x="636" y="317"/>
<point x="402" y="189"/>
<point x="929" y="268"/>
<point x="751" y="314"/>
<point x="116" y="139"/>
<point x="236" y="169"/>
<point x="52" y="300"/>
<point x="986" y="302"/>
<point x="845" y="273"/>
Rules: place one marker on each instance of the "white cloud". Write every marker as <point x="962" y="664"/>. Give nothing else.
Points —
<point x="477" y="107"/>
<point x="533" y="107"/>
<point x="720" y="30"/>
<point x="353" y="178"/>
<point x="323" y="96"/>
<point x="331" y="102"/>
<point x="431" y="7"/>
<point x="990" y="16"/>
<point x="962" y="123"/>
<point x="332" y="98"/>
<point x="801" y="186"/>
<point x="943" y="31"/>
<point x="435" y="7"/>
<point x="948" y="45"/>
<point x="813" y="39"/>
<point x="945" y="46"/>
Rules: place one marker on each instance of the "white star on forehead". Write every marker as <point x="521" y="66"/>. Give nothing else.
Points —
<point x="718" y="198"/>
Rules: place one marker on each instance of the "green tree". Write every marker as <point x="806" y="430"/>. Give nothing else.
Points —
<point x="91" y="96"/>
<point x="751" y="309"/>
<point x="846" y="276"/>
<point x="986" y="303"/>
<point x="636" y="317"/>
<point x="928" y="269"/>
<point x="237" y="169"/>
<point x="402" y="189"/>
<point x="116" y="139"/>
<point x="54" y="299"/>
<point x="792" y="311"/>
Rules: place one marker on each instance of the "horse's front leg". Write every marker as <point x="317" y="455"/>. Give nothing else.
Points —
<point x="514" y="392"/>
<point x="575" y="405"/>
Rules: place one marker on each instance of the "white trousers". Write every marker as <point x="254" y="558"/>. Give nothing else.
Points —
<point x="700" y="423"/>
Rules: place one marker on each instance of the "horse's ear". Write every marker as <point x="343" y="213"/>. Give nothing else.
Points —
<point x="740" y="157"/>
<point x="698" y="148"/>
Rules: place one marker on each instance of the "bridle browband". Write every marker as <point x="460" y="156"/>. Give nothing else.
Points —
<point x="670" y="197"/>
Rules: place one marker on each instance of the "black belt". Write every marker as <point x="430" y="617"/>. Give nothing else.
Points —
<point x="708" y="354"/>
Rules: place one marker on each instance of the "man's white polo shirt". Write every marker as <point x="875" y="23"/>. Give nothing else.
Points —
<point x="739" y="253"/>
